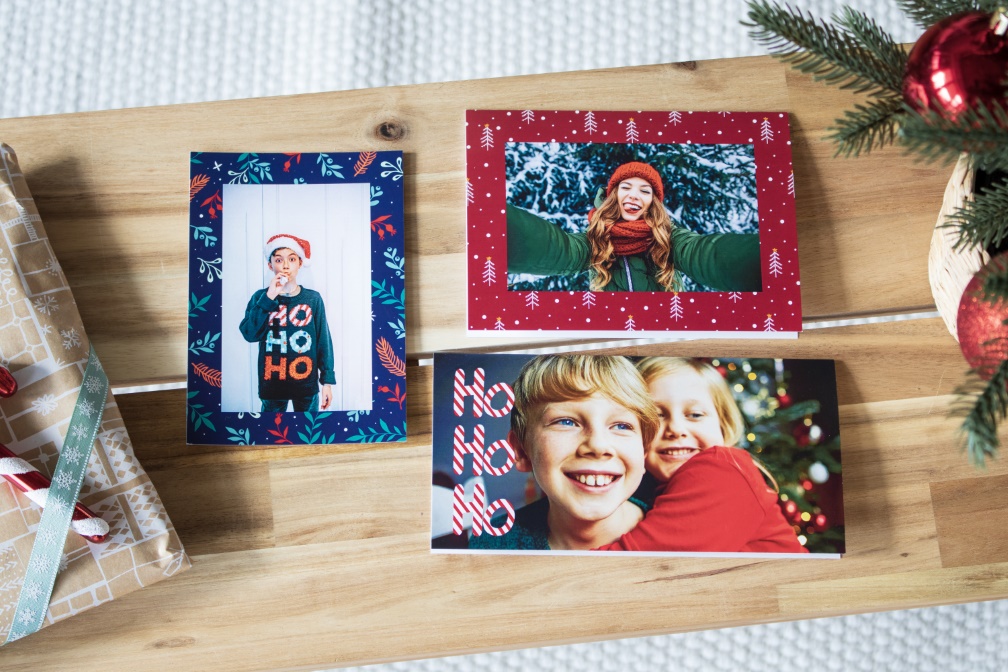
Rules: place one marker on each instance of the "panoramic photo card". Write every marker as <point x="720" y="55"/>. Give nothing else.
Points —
<point x="593" y="454"/>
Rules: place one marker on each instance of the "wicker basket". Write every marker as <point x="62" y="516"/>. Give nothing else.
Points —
<point x="949" y="270"/>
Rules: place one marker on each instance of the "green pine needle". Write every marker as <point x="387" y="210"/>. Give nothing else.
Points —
<point x="821" y="49"/>
<point x="985" y="405"/>
<point x="878" y="42"/>
<point x="926" y="13"/>
<point x="981" y="130"/>
<point x="983" y="222"/>
<point x="995" y="282"/>
<point x="874" y="124"/>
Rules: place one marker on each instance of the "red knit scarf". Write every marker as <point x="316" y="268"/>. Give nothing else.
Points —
<point x="630" y="237"/>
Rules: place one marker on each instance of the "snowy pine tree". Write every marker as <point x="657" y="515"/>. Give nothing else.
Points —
<point x="486" y="141"/>
<point x="708" y="189"/>
<point x="590" y="125"/>
<point x="528" y="116"/>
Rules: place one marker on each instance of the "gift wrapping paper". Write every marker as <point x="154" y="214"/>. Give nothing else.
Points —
<point x="43" y="343"/>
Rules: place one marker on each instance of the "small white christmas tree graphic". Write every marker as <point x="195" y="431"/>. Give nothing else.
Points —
<point x="588" y="299"/>
<point x="528" y="116"/>
<point x="735" y="297"/>
<point x="675" y="118"/>
<point x="590" y="125"/>
<point x="499" y="325"/>
<point x="768" y="323"/>
<point x="470" y="195"/>
<point x="775" y="263"/>
<point x="487" y="141"/>
<point x="631" y="131"/>
<point x="675" y="310"/>
<point x="790" y="184"/>
<point x="489" y="275"/>
<point x="532" y="299"/>
<point x="724" y="113"/>
<point x="766" y="133"/>
<point x="629" y="326"/>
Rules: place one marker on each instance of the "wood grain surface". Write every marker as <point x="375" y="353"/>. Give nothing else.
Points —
<point x="310" y="557"/>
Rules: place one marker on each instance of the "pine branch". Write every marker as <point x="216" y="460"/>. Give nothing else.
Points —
<point x="981" y="130"/>
<point x="983" y="222"/>
<point x="926" y="13"/>
<point x="979" y="429"/>
<point x="866" y="126"/>
<point x="995" y="281"/>
<point x="820" y="49"/>
<point x="878" y="42"/>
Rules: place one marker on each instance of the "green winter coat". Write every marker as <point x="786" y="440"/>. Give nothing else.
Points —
<point x="727" y="262"/>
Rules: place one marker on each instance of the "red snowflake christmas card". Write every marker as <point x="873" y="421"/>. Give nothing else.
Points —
<point x="597" y="223"/>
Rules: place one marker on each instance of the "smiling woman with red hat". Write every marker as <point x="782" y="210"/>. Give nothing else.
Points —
<point x="631" y="243"/>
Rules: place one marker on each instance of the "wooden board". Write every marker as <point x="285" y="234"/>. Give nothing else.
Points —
<point x="316" y="556"/>
<point x="111" y="188"/>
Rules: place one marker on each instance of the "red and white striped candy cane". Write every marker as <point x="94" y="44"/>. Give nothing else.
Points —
<point x="35" y="485"/>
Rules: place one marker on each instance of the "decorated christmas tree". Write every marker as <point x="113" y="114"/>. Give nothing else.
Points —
<point x="796" y="437"/>
<point x="943" y="99"/>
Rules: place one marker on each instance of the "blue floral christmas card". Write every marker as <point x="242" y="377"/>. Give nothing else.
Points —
<point x="297" y="302"/>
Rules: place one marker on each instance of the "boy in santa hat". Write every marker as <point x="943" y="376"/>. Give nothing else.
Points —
<point x="289" y="323"/>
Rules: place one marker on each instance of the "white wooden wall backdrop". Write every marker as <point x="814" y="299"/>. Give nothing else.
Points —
<point x="335" y="219"/>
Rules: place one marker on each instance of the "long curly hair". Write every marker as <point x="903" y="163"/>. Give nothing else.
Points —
<point x="603" y="254"/>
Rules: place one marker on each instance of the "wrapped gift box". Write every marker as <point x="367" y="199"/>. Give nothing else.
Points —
<point x="44" y="345"/>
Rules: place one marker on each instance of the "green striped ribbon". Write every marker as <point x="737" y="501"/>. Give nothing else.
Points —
<point x="33" y="602"/>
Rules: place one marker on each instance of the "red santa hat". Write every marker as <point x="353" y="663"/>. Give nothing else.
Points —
<point x="299" y="245"/>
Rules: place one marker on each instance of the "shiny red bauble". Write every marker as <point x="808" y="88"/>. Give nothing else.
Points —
<point x="955" y="64"/>
<point x="983" y="336"/>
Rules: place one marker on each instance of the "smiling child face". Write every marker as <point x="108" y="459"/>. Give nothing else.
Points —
<point x="634" y="196"/>
<point x="286" y="261"/>
<point x="587" y="455"/>
<point x="689" y="422"/>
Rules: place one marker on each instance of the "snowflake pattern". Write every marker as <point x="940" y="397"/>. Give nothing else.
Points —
<point x="56" y="504"/>
<point x="28" y="616"/>
<point x="41" y="563"/>
<point x="63" y="480"/>
<point x="79" y="431"/>
<point x="73" y="455"/>
<point x="48" y="536"/>
<point x="33" y="590"/>
<point x="86" y="407"/>
<point x="71" y="338"/>
<point x="47" y="305"/>
<point x="92" y="385"/>
<point x="45" y="404"/>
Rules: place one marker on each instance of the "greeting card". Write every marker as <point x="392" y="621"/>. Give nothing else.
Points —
<point x="594" y="454"/>
<point x="599" y="223"/>
<point x="297" y="298"/>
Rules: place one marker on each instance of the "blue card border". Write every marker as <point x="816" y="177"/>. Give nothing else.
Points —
<point x="206" y="423"/>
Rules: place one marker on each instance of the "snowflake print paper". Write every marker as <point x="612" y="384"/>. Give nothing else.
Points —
<point x="297" y="302"/>
<point x="537" y="180"/>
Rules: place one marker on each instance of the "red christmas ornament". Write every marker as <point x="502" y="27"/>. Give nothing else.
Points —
<point x="956" y="63"/>
<point x="784" y="400"/>
<point x="983" y="336"/>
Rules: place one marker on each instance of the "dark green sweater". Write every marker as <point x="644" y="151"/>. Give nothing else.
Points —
<point x="727" y="262"/>
<point x="295" y="348"/>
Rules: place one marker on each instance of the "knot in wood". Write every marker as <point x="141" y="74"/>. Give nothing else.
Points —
<point x="391" y="130"/>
